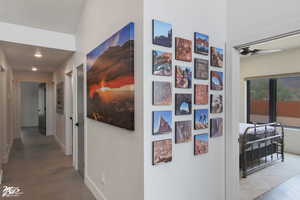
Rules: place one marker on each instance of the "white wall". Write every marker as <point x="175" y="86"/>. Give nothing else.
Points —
<point x="286" y="62"/>
<point x="63" y="131"/>
<point x="114" y="156"/>
<point x="6" y="113"/>
<point x="29" y="104"/>
<point x="36" y="37"/>
<point x="187" y="176"/>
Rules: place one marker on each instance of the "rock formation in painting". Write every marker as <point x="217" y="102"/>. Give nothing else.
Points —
<point x="110" y="85"/>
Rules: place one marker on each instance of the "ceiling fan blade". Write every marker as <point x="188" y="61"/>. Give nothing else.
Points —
<point x="267" y="51"/>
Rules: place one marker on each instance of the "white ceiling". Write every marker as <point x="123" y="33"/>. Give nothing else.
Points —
<point x="285" y="43"/>
<point x="21" y="57"/>
<point x="54" y="15"/>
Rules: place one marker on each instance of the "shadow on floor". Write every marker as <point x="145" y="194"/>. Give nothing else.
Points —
<point x="41" y="170"/>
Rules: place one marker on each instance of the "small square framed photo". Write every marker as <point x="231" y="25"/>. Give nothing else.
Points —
<point x="201" y="43"/>
<point x="201" y="69"/>
<point x="216" y="103"/>
<point x="216" y="127"/>
<point x="162" y="93"/>
<point x="200" y="144"/>
<point x="216" y="57"/>
<point x="183" y="49"/>
<point x="201" y="119"/>
<point x="183" y="77"/>
<point x="183" y="104"/>
<point x="161" y="151"/>
<point x="201" y="94"/>
<point x="216" y="80"/>
<point x="161" y="63"/>
<point x="161" y="33"/>
<point x="161" y="122"/>
<point x="183" y="131"/>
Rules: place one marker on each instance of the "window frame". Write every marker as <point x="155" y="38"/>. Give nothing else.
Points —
<point x="272" y="102"/>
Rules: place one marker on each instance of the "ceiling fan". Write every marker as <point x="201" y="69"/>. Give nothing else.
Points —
<point x="248" y="51"/>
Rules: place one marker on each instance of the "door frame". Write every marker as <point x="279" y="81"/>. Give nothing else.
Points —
<point x="75" y="117"/>
<point x="69" y="112"/>
<point x="232" y="119"/>
<point x="50" y="115"/>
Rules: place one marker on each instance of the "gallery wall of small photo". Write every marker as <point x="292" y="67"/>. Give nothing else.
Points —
<point x="194" y="92"/>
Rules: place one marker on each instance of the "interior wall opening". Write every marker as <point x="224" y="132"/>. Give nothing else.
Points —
<point x="269" y="133"/>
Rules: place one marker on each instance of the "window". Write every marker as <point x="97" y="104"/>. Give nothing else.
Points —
<point x="288" y="101"/>
<point x="259" y="100"/>
<point x="274" y="99"/>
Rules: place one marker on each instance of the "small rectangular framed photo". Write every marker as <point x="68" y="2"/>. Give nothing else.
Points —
<point x="183" y="77"/>
<point x="201" y="43"/>
<point x="201" y="69"/>
<point x="161" y="63"/>
<point x="183" y="104"/>
<point x="183" y="131"/>
<point x="216" y="80"/>
<point x="161" y="151"/>
<point x="162" y="93"/>
<point x="161" y="33"/>
<point x="201" y="94"/>
<point x="216" y="57"/>
<point x="183" y="49"/>
<point x="216" y="103"/>
<point x="161" y="122"/>
<point x="201" y="144"/>
<point x="216" y="127"/>
<point x="201" y="119"/>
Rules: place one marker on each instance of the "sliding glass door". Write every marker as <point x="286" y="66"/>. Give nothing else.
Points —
<point x="274" y="99"/>
<point x="258" y="100"/>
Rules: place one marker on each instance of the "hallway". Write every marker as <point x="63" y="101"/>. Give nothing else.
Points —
<point x="41" y="170"/>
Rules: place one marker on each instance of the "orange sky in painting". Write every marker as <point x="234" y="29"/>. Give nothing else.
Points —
<point x="116" y="83"/>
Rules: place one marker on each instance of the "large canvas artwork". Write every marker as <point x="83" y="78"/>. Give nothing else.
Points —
<point x="201" y="119"/>
<point x="183" y="49"/>
<point x="216" y="105"/>
<point x="183" y="77"/>
<point x="162" y="122"/>
<point x="201" y="43"/>
<point x="162" y="93"/>
<point x="162" y="33"/>
<point x="183" y="104"/>
<point x="60" y="98"/>
<point x="216" y="127"/>
<point x="162" y="151"/>
<point x="216" y="80"/>
<point x="201" y="69"/>
<point x="183" y="131"/>
<point x="201" y="94"/>
<point x="216" y="57"/>
<point x="162" y="63"/>
<point x="110" y="80"/>
<point x="201" y="144"/>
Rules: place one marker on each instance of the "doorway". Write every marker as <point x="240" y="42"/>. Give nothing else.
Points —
<point x="42" y="108"/>
<point x="33" y="106"/>
<point x="267" y="73"/>
<point x="80" y="121"/>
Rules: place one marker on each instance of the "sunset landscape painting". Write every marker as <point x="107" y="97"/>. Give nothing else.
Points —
<point x="110" y="80"/>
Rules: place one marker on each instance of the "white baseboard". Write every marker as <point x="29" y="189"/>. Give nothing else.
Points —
<point x="1" y="175"/>
<point x="93" y="188"/>
<point x="62" y="146"/>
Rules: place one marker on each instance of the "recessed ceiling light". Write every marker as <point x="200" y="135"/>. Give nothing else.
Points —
<point x="34" y="69"/>
<point x="38" y="54"/>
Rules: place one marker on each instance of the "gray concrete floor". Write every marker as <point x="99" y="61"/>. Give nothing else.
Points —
<point x="41" y="170"/>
